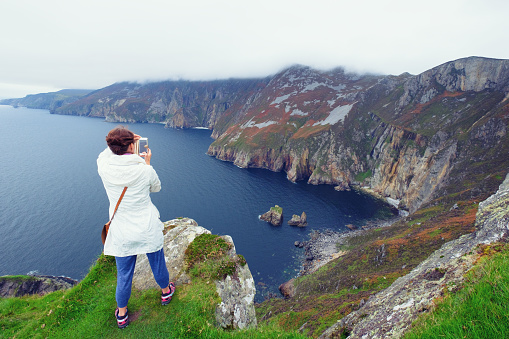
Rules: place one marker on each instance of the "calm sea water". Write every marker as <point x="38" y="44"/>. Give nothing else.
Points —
<point x="53" y="204"/>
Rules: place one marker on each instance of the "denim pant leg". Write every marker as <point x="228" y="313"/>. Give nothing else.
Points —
<point x="158" y="266"/>
<point x="125" y="271"/>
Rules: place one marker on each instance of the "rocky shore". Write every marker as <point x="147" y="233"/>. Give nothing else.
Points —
<point x="18" y="286"/>
<point x="324" y="246"/>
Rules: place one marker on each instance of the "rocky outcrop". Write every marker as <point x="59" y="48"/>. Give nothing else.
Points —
<point x="274" y="216"/>
<point x="179" y="234"/>
<point x="300" y="221"/>
<point x="236" y="309"/>
<point x="389" y="313"/>
<point x="18" y="286"/>
<point x="468" y="74"/>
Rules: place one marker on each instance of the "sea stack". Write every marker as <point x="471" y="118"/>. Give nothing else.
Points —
<point x="274" y="216"/>
<point x="301" y="221"/>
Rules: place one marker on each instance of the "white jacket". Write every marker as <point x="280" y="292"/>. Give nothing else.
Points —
<point x="136" y="228"/>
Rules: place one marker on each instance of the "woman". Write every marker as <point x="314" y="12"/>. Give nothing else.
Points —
<point x="136" y="228"/>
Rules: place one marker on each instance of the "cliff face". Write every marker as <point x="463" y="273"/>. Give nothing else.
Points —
<point x="49" y="101"/>
<point x="178" y="104"/>
<point x="400" y="136"/>
<point x="405" y="137"/>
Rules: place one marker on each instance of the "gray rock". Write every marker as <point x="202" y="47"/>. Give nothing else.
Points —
<point x="17" y="286"/>
<point x="181" y="232"/>
<point x="299" y="221"/>
<point x="287" y="289"/>
<point x="236" y="309"/>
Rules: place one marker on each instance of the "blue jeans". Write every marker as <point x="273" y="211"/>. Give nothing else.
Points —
<point x="125" y="271"/>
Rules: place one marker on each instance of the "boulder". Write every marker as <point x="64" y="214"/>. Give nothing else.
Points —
<point x="236" y="309"/>
<point x="351" y="227"/>
<point x="274" y="216"/>
<point x="301" y="221"/>
<point x="287" y="289"/>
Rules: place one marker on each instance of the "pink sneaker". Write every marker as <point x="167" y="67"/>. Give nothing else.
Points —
<point x="166" y="297"/>
<point x="122" y="321"/>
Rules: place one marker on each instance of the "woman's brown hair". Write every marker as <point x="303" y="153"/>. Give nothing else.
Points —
<point x="119" y="139"/>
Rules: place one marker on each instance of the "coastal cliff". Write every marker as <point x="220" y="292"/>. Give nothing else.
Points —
<point x="408" y="138"/>
<point x="400" y="136"/>
<point x="177" y="104"/>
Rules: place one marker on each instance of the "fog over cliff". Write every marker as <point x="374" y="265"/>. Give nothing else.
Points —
<point x="402" y="137"/>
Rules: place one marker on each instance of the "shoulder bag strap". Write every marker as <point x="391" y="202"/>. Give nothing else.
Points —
<point x="118" y="202"/>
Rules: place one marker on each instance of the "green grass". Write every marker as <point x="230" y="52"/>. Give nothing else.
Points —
<point x="206" y="258"/>
<point x="363" y="176"/>
<point x="206" y="246"/>
<point x="86" y="311"/>
<point x="277" y="209"/>
<point x="479" y="310"/>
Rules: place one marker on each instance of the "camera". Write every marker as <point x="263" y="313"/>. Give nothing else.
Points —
<point x="141" y="146"/>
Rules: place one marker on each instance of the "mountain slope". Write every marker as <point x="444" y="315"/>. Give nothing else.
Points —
<point x="401" y="136"/>
<point x="409" y="138"/>
<point x="179" y="104"/>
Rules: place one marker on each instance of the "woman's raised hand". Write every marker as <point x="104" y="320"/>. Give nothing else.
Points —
<point x="147" y="155"/>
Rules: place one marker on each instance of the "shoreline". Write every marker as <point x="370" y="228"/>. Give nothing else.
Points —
<point x="322" y="247"/>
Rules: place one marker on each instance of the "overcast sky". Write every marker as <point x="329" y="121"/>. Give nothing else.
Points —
<point x="47" y="45"/>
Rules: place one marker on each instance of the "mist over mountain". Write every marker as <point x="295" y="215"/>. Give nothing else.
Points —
<point x="404" y="137"/>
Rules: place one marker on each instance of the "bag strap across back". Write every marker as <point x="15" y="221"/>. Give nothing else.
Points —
<point x="118" y="202"/>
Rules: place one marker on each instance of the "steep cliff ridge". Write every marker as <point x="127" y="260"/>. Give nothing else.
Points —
<point x="179" y="104"/>
<point x="297" y="105"/>
<point x="49" y="101"/>
<point x="400" y="136"/>
<point x="403" y="137"/>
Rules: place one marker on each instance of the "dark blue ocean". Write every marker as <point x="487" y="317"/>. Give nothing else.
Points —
<point x="53" y="205"/>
